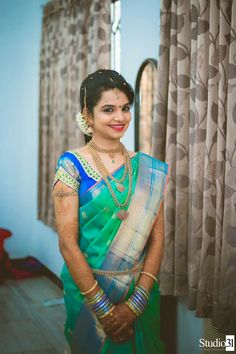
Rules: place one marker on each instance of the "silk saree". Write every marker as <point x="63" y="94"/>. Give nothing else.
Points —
<point x="114" y="249"/>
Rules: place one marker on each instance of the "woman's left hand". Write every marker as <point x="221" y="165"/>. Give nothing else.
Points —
<point x="119" y="324"/>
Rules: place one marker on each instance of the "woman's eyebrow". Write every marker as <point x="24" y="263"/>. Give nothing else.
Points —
<point x="112" y="105"/>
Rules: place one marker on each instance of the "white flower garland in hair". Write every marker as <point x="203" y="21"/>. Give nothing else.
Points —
<point x="83" y="124"/>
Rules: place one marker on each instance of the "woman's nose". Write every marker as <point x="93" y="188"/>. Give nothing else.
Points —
<point x="119" y="115"/>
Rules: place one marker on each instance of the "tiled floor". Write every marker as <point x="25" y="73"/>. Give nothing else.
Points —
<point x="26" y="324"/>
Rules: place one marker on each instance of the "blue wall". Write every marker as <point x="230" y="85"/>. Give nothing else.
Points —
<point x="189" y="329"/>
<point x="140" y="25"/>
<point x="20" y="28"/>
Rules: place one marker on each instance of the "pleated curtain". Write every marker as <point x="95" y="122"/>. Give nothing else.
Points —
<point x="194" y="130"/>
<point x="75" y="42"/>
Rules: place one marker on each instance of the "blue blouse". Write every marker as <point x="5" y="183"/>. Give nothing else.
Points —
<point x="75" y="171"/>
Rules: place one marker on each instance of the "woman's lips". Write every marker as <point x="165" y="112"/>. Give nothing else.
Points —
<point x="118" y="127"/>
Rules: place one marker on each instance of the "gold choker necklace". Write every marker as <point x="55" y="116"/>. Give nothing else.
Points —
<point x="111" y="152"/>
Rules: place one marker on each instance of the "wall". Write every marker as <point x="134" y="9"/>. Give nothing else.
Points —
<point x="189" y="329"/>
<point x="20" y="29"/>
<point x="139" y="40"/>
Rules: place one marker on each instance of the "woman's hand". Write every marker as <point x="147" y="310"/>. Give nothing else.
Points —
<point x="119" y="324"/>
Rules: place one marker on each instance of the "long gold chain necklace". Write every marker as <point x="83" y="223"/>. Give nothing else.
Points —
<point x="122" y="213"/>
<point x="111" y="152"/>
<point x="119" y="185"/>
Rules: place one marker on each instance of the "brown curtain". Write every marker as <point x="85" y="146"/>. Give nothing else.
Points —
<point x="195" y="132"/>
<point x="75" y="42"/>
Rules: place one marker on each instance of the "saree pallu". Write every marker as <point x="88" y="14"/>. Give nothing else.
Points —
<point x="115" y="250"/>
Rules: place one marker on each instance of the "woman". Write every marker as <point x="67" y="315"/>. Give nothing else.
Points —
<point x="109" y="214"/>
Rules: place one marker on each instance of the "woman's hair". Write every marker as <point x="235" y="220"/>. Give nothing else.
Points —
<point x="102" y="80"/>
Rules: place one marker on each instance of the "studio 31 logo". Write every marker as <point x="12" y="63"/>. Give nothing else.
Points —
<point x="228" y="344"/>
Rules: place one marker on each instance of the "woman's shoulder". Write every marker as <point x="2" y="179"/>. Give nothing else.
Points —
<point x="82" y="154"/>
<point x="74" y="155"/>
<point x="79" y="150"/>
<point x="67" y="171"/>
<point x="132" y="153"/>
<point x="69" y="161"/>
<point x="84" y="162"/>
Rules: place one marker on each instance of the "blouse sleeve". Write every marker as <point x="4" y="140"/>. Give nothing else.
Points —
<point x="67" y="172"/>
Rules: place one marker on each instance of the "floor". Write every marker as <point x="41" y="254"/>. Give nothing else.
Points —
<point x="29" y="323"/>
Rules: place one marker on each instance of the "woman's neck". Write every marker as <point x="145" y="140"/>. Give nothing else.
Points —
<point x="106" y="143"/>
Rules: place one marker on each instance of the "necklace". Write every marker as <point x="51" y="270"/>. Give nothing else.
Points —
<point x="111" y="152"/>
<point x="122" y="213"/>
<point x="119" y="186"/>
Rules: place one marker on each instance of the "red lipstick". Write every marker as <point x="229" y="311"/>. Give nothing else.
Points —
<point x="118" y="127"/>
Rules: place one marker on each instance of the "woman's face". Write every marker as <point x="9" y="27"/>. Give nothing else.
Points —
<point x="111" y="115"/>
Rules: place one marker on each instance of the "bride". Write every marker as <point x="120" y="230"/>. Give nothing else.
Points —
<point x="109" y="213"/>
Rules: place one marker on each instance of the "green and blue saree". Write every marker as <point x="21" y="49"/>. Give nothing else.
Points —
<point x="114" y="249"/>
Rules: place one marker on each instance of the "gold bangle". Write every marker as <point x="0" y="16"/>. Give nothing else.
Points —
<point x="108" y="313"/>
<point x="96" y="298"/>
<point x="150" y="275"/>
<point x="132" y="308"/>
<point x="90" y="290"/>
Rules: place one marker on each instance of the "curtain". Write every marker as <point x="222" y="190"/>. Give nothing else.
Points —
<point x="195" y="132"/>
<point x="75" y="42"/>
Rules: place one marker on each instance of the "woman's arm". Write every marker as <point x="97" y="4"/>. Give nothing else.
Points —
<point x="66" y="204"/>
<point x="121" y="323"/>
<point x="154" y="254"/>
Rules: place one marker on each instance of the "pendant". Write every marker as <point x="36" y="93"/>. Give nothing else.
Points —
<point x="122" y="214"/>
<point x="120" y="187"/>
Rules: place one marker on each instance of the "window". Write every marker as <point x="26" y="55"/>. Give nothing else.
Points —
<point x="115" y="35"/>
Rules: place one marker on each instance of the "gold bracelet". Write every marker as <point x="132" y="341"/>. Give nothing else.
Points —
<point x="150" y="275"/>
<point x="131" y="306"/>
<point x="96" y="298"/>
<point x="90" y="290"/>
<point x="107" y="313"/>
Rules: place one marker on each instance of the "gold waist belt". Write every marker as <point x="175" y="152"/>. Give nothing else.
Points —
<point x="135" y="269"/>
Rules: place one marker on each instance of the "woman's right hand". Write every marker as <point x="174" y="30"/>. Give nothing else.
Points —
<point x="119" y="324"/>
<point x="124" y="335"/>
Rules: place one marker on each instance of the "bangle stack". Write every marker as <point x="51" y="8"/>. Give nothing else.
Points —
<point x="138" y="300"/>
<point x="101" y="304"/>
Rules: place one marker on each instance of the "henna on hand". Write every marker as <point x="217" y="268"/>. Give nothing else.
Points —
<point x="119" y="324"/>
<point x="123" y="335"/>
<point x="61" y="194"/>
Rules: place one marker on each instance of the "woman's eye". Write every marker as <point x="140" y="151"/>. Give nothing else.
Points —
<point x="126" y="109"/>
<point x="108" y="110"/>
